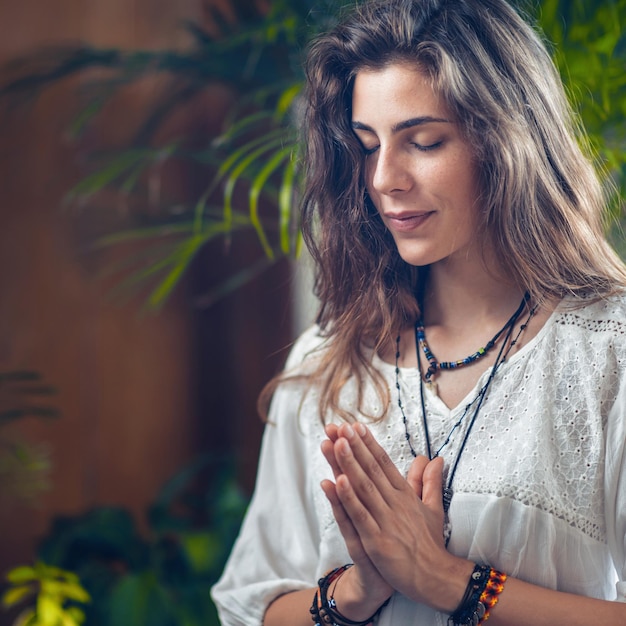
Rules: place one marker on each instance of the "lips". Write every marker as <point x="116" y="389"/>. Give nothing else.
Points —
<point x="404" y="222"/>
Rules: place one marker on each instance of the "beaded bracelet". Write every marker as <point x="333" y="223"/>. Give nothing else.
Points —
<point x="489" y="596"/>
<point x="481" y="595"/>
<point x="324" y="610"/>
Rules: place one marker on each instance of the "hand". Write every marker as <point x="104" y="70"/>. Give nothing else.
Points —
<point x="396" y="522"/>
<point x="368" y="585"/>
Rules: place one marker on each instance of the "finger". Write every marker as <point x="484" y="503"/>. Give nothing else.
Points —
<point x="358" y="491"/>
<point x="328" y="450"/>
<point x="415" y="476"/>
<point x="346" y="527"/>
<point x="433" y="485"/>
<point x="331" y="432"/>
<point x="372" y="457"/>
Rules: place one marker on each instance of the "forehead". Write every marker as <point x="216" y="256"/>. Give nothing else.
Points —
<point x="397" y="89"/>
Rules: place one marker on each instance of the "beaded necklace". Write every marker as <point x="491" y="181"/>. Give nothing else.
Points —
<point x="476" y="403"/>
<point x="434" y="365"/>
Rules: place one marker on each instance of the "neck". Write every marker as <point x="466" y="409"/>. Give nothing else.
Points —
<point x="469" y="297"/>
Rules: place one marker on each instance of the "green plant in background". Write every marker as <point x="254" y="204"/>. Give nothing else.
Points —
<point x="56" y="593"/>
<point x="259" y="58"/>
<point x="589" y="48"/>
<point x="161" y="578"/>
<point x="24" y="466"/>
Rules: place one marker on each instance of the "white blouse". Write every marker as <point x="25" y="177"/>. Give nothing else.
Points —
<point x="539" y="493"/>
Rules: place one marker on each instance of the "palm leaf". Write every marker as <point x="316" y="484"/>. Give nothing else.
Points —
<point x="181" y="262"/>
<point x="258" y="184"/>
<point x="285" y="202"/>
<point x="236" y="173"/>
<point x="228" y="286"/>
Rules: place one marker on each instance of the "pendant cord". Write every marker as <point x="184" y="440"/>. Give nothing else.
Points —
<point x="503" y="353"/>
<point x="434" y="365"/>
<point x="500" y="359"/>
<point x="479" y="399"/>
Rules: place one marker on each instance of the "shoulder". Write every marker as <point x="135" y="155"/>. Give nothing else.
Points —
<point x="592" y="333"/>
<point x="606" y="316"/>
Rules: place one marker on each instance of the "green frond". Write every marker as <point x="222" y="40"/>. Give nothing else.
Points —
<point x="132" y="161"/>
<point x="182" y="261"/>
<point x="286" y="100"/>
<point x="285" y="204"/>
<point x="258" y="184"/>
<point x="240" y="127"/>
<point x="237" y="172"/>
<point x="229" y="285"/>
<point x="239" y="153"/>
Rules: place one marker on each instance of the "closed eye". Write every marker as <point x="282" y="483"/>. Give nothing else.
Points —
<point x="426" y="148"/>
<point x="368" y="151"/>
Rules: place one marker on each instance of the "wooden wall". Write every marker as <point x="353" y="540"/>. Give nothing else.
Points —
<point x="139" y="395"/>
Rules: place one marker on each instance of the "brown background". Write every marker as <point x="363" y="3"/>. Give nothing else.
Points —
<point x="140" y="395"/>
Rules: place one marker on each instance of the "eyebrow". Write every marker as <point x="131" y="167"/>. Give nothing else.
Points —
<point x="414" y="121"/>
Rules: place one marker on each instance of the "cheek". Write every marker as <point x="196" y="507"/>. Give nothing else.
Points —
<point x="462" y="181"/>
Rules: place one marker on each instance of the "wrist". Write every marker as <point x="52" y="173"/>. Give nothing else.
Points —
<point x="349" y="598"/>
<point x="481" y="595"/>
<point x="449" y="584"/>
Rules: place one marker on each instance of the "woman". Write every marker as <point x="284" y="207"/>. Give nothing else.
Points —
<point x="454" y="426"/>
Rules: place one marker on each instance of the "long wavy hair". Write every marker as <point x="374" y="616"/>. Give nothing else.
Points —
<point x="542" y="202"/>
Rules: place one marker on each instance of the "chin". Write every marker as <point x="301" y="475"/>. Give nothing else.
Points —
<point x="417" y="258"/>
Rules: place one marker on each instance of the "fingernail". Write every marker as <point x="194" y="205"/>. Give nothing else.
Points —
<point x="360" y="429"/>
<point x="349" y="431"/>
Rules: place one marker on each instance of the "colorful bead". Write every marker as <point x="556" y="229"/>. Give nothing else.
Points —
<point x="493" y="589"/>
<point x="434" y="365"/>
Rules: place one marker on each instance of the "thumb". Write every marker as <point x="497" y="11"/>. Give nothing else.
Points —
<point x="416" y="474"/>
<point x="432" y="489"/>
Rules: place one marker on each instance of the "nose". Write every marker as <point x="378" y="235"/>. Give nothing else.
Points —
<point x="389" y="172"/>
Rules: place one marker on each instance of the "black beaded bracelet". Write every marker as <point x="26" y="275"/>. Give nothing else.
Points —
<point x="471" y="610"/>
<point x="324" y="610"/>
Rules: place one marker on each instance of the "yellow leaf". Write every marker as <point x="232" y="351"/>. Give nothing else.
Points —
<point x="48" y="611"/>
<point x="13" y="596"/>
<point x="21" y="574"/>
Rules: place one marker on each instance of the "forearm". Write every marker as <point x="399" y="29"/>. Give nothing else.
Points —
<point x="293" y="609"/>
<point x="521" y="604"/>
<point x="290" y="609"/>
<point x="351" y="600"/>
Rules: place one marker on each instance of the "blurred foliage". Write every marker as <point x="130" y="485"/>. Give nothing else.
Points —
<point x="258" y="56"/>
<point x="161" y="578"/>
<point x="57" y="595"/>
<point x="588" y="41"/>
<point x="17" y="390"/>
<point x="24" y="466"/>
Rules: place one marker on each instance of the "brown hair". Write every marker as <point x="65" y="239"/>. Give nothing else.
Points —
<point x="542" y="200"/>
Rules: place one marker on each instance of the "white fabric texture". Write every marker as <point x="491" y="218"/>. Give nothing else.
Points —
<point x="540" y="490"/>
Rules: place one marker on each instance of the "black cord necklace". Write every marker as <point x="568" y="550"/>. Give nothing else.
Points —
<point x="434" y="365"/>
<point x="476" y="403"/>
